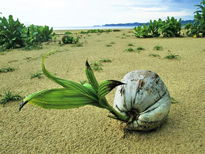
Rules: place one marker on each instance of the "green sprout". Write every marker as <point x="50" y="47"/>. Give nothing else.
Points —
<point x="8" y="97"/>
<point x="154" y="55"/>
<point x="74" y="95"/>
<point x="140" y="48"/>
<point x="129" y="50"/>
<point x="97" y="66"/>
<point x="36" y="75"/>
<point x="171" y="56"/>
<point x="108" y="45"/>
<point x="105" y="60"/>
<point x="158" y="47"/>
<point x="6" y="69"/>
<point x="130" y="44"/>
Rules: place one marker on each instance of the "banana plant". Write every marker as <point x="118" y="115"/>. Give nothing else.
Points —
<point x="199" y="18"/>
<point x="171" y="27"/>
<point x="11" y="33"/>
<point x="142" y="31"/>
<point x="74" y="95"/>
<point x="154" y="28"/>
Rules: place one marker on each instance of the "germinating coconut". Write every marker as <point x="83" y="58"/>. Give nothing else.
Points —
<point x="141" y="100"/>
<point x="144" y="98"/>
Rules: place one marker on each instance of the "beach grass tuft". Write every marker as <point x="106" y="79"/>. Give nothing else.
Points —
<point x="140" y="48"/>
<point x="8" y="97"/>
<point x="7" y="69"/>
<point x="158" y="47"/>
<point x="36" y="75"/>
<point x="171" y="56"/>
<point x="154" y="55"/>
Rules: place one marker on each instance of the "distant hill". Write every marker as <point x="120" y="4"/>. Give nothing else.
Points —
<point x="183" y="22"/>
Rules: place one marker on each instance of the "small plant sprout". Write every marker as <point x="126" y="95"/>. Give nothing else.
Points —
<point x="8" y="97"/>
<point x="129" y="50"/>
<point x="108" y="45"/>
<point x="142" y="101"/>
<point x="154" y="55"/>
<point x="36" y="75"/>
<point x="6" y="69"/>
<point x="97" y="66"/>
<point x="105" y="61"/>
<point x="158" y="47"/>
<point x="171" y="56"/>
<point x="130" y="44"/>
<point x="140" y="48"/>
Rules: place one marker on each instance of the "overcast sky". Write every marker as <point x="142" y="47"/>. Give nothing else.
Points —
<point x="69" y="13"/>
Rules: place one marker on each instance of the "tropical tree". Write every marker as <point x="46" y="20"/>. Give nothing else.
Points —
<point x="198" y="28"/>
<point x="199" y="18"/>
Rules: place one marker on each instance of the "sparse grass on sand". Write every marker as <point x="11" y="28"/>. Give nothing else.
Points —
<point x="88" y="129"/>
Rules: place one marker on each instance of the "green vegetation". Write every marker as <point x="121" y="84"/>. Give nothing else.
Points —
<point x="112" y="42"/>
<point x="142" y="31"/>
<point x="105" y="61"/>
<point x="11" y="33"/>
<point x="67" y="33"/>
<point x="97" y="31"/>
<point x="171" y="56"/>
<point x="97" y="66"/>
<point x="14" y="34"/>
<point x="77" y="45"/>
<point x="116" y="30"/>
<point x="74" y="95"/>
<point x="168" y="28"/>
<point x="140" y="48"/>
<point x="70" y="39"/>
<point x="158" y="47"/>
<point x="82" y="82"/>
<point x="198" y="28"/>
<point x="108" y="45"/>
<point x="129" y="50"/>
<point x="36" y="75"/>
<point x="8" y="97"/>
<point x="174" y="101"/>
<point x="154" y="28"/>
<point x="154" y="55"/>
<point x="171" y="27"/>
<point x="38" y="34"/>
<point x="130" y="44"/>
<point x="7" y="69"/>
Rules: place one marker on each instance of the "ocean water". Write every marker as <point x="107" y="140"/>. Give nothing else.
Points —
<point x="93" y="27"/>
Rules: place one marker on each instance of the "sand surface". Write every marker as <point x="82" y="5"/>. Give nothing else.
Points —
<point x="88" y="129"/>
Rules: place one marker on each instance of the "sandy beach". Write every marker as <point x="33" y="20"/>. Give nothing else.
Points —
<point x="88" y="129"/>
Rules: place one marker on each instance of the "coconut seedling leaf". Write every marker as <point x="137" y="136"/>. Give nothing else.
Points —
<point x="74" y="95"/>
<point x="106" y="86"/>
<point x="91" y="77"/>
<point x="62" y="98"/>
<point x="68" y="83"/>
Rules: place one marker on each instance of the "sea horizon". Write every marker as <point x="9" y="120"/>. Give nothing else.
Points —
<point x="93" y="27"/>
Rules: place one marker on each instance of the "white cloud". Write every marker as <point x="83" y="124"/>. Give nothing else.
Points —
<point x="64" y="13"/>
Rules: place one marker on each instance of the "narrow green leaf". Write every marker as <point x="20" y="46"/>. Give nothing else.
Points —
<point x="61" y="98"/>
<point x="91" y="77"/>
<point x="70" y="84"/>
<point x="106" y="86"/>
